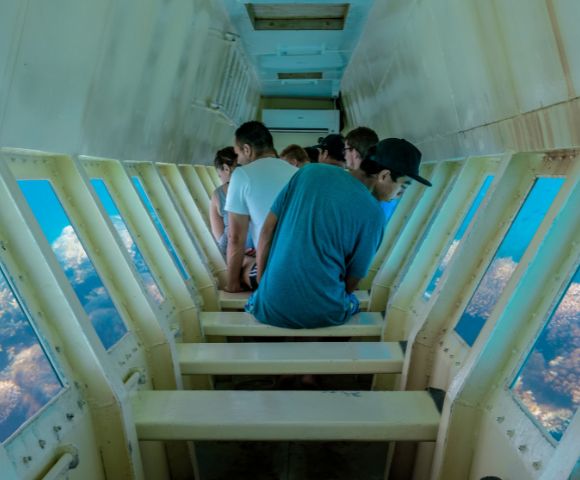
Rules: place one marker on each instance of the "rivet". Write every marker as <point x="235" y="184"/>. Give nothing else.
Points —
<point x="26" y="459"/>
<point x="523" y="448"/>
<point x="452" y="355"/>
<point x="57" y="348"/>
<point x="42" y="443"/>
<point x="127" y="356"/>
<point x="57" y="428"/>
<point x="81" y="404"/>
<point x="70" y="416"/>
<point x="457" y="364"/>
<point x="500" y="419"/>
<point x="537" y="465"/>
<point x="510" y="433"/>
<point x="446" y="349"/>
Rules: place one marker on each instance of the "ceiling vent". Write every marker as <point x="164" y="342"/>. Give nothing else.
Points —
<point x="297" y="16"/>
<point x="300" y="76"/>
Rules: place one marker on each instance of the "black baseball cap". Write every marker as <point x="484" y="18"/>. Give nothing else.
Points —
<point x="334" y="144"/>
<point x="396" y="154"/>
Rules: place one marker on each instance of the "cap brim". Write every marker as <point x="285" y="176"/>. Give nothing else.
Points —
<point x="419" y="179"/>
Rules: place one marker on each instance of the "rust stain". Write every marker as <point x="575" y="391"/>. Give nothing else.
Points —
<point x="548" y="130"/>
<point x="561" y="48"/>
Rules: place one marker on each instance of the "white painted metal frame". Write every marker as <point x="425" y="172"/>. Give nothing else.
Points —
<point x="184" y="242"/>
<point x="107" y="255"/>
<point x="65" y="326"/>
<point x="205" y="179"/>
<point x="479" y="396"/>
<point x="193" y="219"/>
<point x="410" y="235"/>
<point x="407" y="303"/>
<point x="197" y="190"/>
<point x="181" y="297"/>
<point x="438" y="354"/>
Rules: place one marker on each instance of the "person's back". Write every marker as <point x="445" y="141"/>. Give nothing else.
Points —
<point x="329" y="228"/>
<point x="254" y="188"/>
<point x="251" y="192"/>
<point x="321" y="234"/>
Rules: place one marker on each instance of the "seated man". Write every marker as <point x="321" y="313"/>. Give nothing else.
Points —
<point x="356" y="145"/>
<point x="251" y="192"/>
<point x="295" y="155"/>
<point x="321" y="235"/>
<point x="331" y="150"/>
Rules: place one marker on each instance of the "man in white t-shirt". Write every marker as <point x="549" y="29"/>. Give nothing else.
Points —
<point x="252" y="190"/>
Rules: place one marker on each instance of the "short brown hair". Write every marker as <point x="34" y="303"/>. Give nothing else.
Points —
<point x="225" y="156"/>
<point x="295" y="152"/>
<point x="361" y="139"/>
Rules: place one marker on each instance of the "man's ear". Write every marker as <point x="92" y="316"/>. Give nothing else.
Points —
<point x="248" y="150"/>
<point x="383" y="175"/>
<point x="226" y="168"/>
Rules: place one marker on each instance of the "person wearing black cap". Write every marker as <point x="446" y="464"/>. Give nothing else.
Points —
<point x="321" y="234"/>
<point x="331" y="150"/>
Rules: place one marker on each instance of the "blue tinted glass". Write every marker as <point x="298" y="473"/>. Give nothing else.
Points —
<point x="458" y="237"/>
<point x="507" y="257"/>
<point x="548" y="383"/>
<point x="159" y="225"/>
<point x="389" y="208"/>
<point x="109" y="205"/>
<point x="27" y="378"/>
<point x="72" y="257"/>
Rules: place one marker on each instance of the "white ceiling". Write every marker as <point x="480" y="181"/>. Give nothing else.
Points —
<point x="326" y="51"/>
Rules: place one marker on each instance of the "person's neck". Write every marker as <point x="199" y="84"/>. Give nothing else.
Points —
<point x="268" y="154"/>
<point x="368" y="182"/>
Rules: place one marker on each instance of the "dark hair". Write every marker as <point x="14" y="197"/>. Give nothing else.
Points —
<point x="361" y="139"/>
<point x="295" y="152"/>
<point x="256" y="135"/>
<point x="371" y="167"/>
<point x="225" y="156"/>
<point x="312" y="154"/>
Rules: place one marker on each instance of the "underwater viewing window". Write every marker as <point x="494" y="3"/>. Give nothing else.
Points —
<point x="446" y="259"/>
<point x="74" y="260"/>
<point x="28" y="381"/>
<point x="159" y="226"/>
<point x="548" y="384"/>
<point x="121" y="227"/>
<point x="507" y="257"/>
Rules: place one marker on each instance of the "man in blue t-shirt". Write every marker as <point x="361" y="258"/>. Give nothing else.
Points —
<point x="321" y="234"/>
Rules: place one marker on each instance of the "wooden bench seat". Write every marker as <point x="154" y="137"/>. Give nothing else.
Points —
<point x="290" y="357"/>
<point x="285" y="416"/>
<point x="236" y="301"/>
<point x="240" y="324"/>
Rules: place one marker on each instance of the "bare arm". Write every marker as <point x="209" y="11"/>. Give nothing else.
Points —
<point x="351" y="283"/>
<point x="215" y="219"/>
<point x="265" y="243"/>
<point x="237" y="234"/>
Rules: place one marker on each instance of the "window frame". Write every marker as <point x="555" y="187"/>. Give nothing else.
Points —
<point x="193" y="219"/>
<point x="407" y="306"/>
<point x="109" y="257"/>
<point x="436" y="323"/>
<point x="184" y="243"/>
<point x="419" y="211"/>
